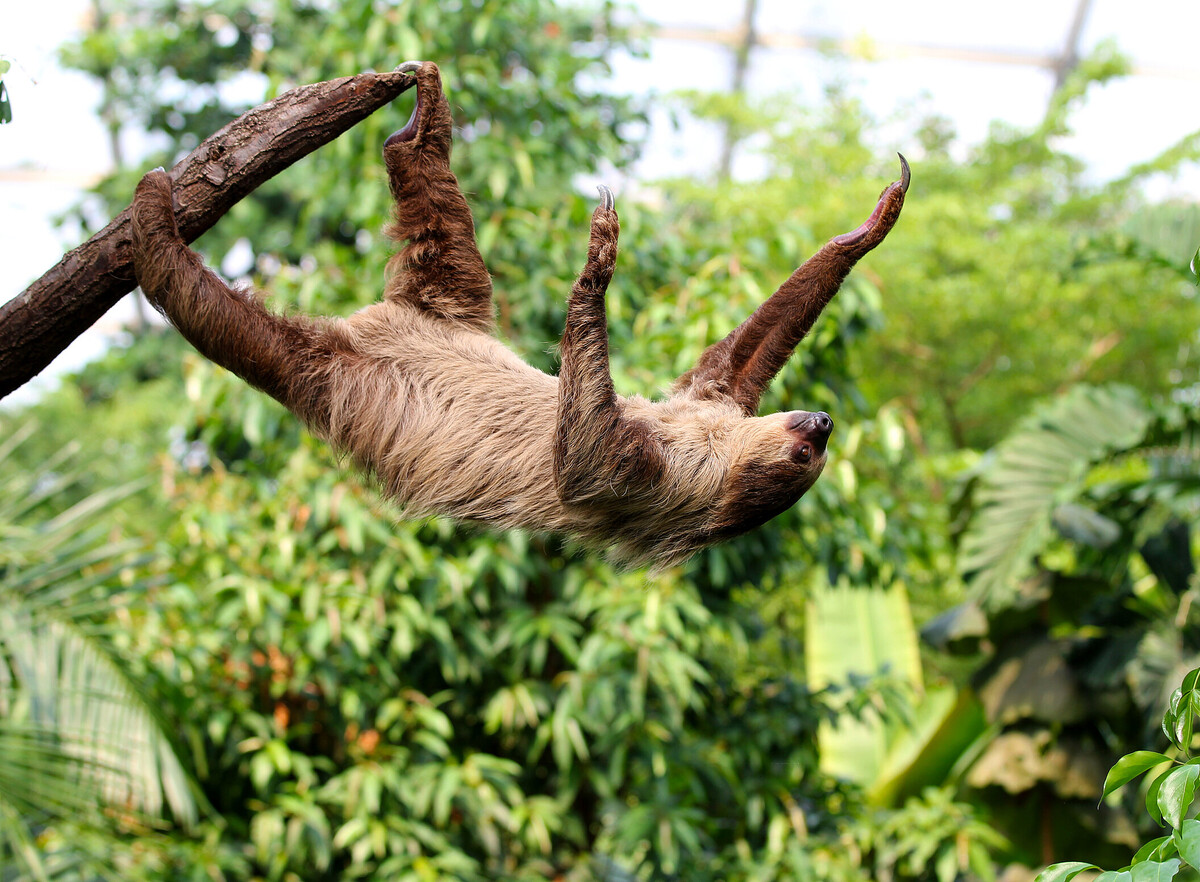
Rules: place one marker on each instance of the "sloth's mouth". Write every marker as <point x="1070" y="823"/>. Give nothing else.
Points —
<point x="409" y="132"/>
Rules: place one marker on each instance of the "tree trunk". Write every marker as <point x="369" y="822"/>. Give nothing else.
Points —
<point x="43" y="319"/>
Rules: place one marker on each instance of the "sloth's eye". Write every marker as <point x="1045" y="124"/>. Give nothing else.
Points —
<point x="804" y="452"/>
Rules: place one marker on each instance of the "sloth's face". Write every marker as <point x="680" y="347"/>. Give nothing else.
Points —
<point x="776" y="459"/>
<point x="726" y="473"/>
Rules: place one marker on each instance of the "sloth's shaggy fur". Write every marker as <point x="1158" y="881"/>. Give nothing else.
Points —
<point x="420" y="393"/>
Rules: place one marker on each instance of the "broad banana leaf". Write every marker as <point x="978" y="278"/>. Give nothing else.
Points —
<point x="863" y="632"/>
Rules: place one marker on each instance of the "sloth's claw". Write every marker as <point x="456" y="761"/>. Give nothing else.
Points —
<point x="887" y="210"/>
<point x="606" y="198"/>
<point x="409" y="67"/>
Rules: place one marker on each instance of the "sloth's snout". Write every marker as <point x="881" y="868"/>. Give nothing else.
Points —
<point x="818" y="429"/>
<point x="814" y="428"/>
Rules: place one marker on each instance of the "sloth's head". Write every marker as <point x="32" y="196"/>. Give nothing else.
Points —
<point x="778" y="457"/>
<point x="721" y="474"/>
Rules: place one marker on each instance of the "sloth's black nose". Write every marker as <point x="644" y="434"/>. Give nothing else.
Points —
<point x="819" y="428"/>
<point x="822" y="425"/>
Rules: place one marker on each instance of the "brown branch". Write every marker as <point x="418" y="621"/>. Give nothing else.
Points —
<point x="39" y="322"/>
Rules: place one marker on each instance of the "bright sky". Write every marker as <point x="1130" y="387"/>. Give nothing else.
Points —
<point x="55" y="144"/>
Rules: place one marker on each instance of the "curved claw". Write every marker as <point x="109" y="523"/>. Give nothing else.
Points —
<point x="606" y="198"/>
<point x="887" y="210"/>
<point x="409" y="131"/>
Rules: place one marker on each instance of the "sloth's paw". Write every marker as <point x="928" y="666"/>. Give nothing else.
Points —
<point x="602" y="244"/>
<point x="153" y="201"/>
<point x="604" y="218"/>
<point x="152" y="224"/>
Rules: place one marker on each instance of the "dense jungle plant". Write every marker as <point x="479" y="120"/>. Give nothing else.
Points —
<point x="1170" y="791"/>
<point x="80" y="733"/>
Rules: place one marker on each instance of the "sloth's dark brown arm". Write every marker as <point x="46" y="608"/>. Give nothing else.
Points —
<point x="598" y="452"/>
<point x="743" y="364"/>
<point x="291" y="359"/>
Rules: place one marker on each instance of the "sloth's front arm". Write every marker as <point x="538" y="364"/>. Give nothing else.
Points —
<point x="600" y="454"/>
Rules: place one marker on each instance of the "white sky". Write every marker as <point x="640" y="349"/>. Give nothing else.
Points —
<point x="55" y="144"/>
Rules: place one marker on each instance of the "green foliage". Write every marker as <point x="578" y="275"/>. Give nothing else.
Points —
<point x="1169" y="798"/>
<point x="862" y="633"/>
<point x="1010" y="278"/>
<point x="1083" y="584"/>
<point x="1165" y="235"/>
<point x="78" y="728"/>
<point x="1027" y="488"/>
<point x="936" y="838"/>
<point x="515" y="157"/>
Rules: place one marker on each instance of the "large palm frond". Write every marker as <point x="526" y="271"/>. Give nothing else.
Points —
<point x="77" y="729"/>
<point x="1033" y="477"/>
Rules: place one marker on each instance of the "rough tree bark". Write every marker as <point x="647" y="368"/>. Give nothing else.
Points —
<point x="39" y="322"/>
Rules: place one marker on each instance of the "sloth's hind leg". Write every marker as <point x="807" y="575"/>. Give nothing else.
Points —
<point x="440" y="269"/>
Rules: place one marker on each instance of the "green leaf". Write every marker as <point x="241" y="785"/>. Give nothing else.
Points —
<point x="1183" y="724"/>
<point x="443" y="798"/>
<point x="1064" y="871"/>
<point x="1129" y="767"/>
<point x="1187" y="840"/>
<point x="1179" y="719"/>
<point x="1152" y="798"/>
<point x="1177" y="791"/>
<point x="1035" y="471"/>
<point x="1164" y="234"/>
<point x="480" y="28"/>
<point x="1171" y="715"/>
<point x="1189" y="707"/>
<point x="498" y="182"/>
<point x="1190" y="680"/>
<point x="1155" y="850"/>
<point x="1155" y="871"/>
<point x="858" y="632"/>
<point x="82" y="694"/>
<point x="524" y="165"/>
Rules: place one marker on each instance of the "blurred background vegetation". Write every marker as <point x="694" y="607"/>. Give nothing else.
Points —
<point x="222" y="657"/>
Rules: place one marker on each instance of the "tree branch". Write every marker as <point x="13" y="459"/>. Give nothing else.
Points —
<point x="42" y="320"/>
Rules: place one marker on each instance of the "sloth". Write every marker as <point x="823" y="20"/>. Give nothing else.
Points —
<point x="418" y="391"/>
